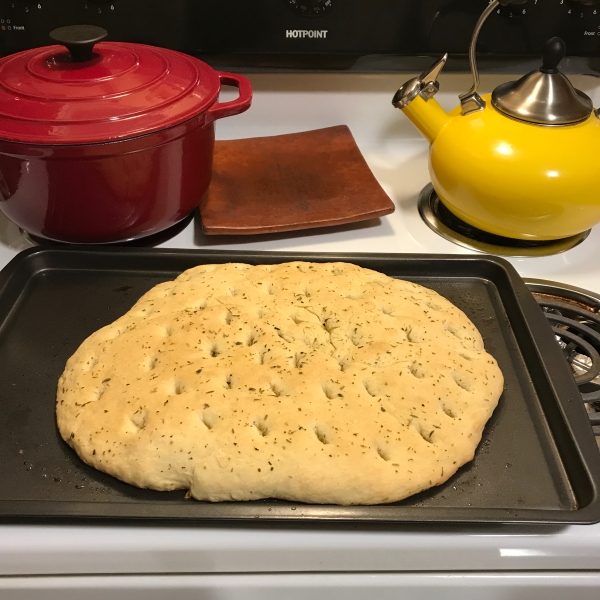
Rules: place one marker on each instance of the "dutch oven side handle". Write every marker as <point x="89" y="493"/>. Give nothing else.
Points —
<point x="234" y="107"/>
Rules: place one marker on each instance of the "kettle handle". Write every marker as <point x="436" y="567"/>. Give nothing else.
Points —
<point x="471" y="101"/>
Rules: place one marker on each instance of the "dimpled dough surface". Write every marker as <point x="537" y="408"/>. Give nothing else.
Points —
<point x="320" y="383"/>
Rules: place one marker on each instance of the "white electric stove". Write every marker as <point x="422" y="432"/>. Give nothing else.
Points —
<point x="323" y="561"/>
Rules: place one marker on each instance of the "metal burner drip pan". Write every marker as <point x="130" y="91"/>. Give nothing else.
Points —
<point x="443" y="222"/>
<point x="575" y="318"/>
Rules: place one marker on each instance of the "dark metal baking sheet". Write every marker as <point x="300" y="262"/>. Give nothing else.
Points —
<point x="537" y="462"/>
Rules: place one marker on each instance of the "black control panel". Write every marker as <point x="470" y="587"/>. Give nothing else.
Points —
<point x="26" y="23"/>
<point x="322" y="34"/>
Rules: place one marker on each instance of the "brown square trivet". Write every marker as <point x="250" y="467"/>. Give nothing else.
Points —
<point x="289" y="182"/>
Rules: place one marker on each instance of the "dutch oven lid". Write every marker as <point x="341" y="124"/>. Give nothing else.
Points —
<point x="92" y="92"/>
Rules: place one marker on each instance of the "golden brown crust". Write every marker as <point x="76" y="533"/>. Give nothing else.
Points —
<point x="321" y="383"/>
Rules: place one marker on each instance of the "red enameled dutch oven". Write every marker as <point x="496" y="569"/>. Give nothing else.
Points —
<point x="107" y="141"/>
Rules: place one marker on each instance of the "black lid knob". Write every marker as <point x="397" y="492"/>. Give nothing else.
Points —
<point x="79" y="40"/>
<point x="554" y="51"/>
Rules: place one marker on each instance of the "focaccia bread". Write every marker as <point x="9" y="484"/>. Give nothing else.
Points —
<point x="320" y="383"/>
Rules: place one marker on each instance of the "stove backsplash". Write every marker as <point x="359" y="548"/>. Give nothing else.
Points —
<point x="378" y="35"/>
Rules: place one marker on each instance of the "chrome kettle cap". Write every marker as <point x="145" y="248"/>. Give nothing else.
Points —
<point x="545" y="96"/>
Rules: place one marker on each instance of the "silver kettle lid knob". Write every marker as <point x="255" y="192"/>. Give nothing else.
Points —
<point x="545" y="96"/>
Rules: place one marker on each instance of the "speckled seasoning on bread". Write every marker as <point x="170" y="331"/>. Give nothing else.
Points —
<point x="320" y="383"/>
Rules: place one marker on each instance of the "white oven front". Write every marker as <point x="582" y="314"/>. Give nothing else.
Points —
<point x="316" y="586"/>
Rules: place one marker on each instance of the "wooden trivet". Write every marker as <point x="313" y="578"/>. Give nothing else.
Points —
<point x="289" y="182"/>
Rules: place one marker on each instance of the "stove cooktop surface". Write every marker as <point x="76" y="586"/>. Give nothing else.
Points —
<point x="397" y="156"/>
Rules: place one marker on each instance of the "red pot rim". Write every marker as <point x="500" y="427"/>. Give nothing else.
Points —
<point x="176" y="130"/>
<point x="127" y="90"/>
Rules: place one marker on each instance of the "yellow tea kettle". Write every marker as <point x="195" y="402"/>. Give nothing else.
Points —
<point x="523" y="162"/>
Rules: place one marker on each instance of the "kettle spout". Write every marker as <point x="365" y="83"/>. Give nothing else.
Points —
<point x="416" y="100"/>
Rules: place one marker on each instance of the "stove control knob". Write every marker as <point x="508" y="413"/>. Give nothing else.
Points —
<point x="310" y="8"/>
